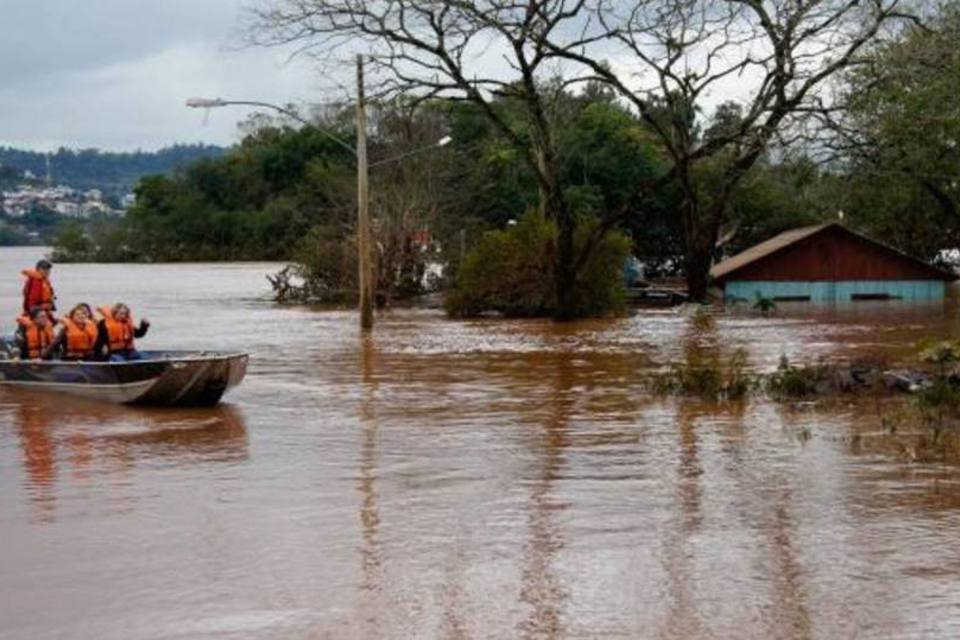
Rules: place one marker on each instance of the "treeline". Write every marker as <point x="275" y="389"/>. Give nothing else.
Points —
<point x="886" y="159"/>
<point x="115" y="173"/>
<point x="262" y="199"/>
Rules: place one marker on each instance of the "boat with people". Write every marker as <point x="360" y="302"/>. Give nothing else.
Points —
<point x="181" y="378"/>
<point x="97" y="358"/>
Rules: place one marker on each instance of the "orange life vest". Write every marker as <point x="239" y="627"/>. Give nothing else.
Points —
<point x="80" y="340"/>
<point x="39" y="291"/>
<point x="119" y="334"/>
<point x="38" y="338"/>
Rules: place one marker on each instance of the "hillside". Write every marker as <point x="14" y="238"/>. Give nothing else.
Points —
<point x="114" y="173"/>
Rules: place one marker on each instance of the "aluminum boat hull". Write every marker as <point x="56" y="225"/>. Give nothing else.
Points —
<point x="181" y="378"/>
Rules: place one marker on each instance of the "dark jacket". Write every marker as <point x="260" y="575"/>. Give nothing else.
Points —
<point x="100" y="347"/>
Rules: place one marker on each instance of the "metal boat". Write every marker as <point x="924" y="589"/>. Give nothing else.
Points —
<point x="182" y="378"/>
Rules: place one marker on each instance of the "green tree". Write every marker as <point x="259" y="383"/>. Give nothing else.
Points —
<point x="900" y="138"/>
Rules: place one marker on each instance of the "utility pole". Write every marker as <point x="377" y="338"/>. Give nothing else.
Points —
<point x="365" y="258"/>
<point x="365" y="265"/>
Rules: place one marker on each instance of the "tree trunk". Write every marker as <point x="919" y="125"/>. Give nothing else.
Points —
<point x="944" y="201"/>
<point x="553" y="206"/>
<point x="702" y="229"/>
<point x="697" y="265"/>
<point x="565" y="269"/>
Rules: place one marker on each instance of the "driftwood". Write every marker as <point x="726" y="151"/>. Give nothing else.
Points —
<point x="283" y="288"/>
<point x="289" y="286"/>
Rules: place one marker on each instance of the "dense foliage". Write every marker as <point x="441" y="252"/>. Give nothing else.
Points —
<point x="900" y="139"/>
<point x="512" y="272"/>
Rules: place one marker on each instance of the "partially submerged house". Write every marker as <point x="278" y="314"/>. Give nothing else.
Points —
<point x="828" y="263"/>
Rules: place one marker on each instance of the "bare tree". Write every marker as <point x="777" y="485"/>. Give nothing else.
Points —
<point x="772" y="57"/>
<point x="664" y="57"/>
<point x="450" y="49"/>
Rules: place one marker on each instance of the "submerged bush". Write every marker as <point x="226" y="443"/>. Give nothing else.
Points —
<point x="513" y="272"/>
<point x="326" y="261"/>
<point x="100" y="239"/>
<point x="706" y="377"/>
<point x="791" y="382"/>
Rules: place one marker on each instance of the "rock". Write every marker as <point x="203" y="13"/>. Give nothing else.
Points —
<point x="896" y="381"/>
<point x="905" y="380"/>
<point x="868" y="377"/>
<point x="843" y="379"/>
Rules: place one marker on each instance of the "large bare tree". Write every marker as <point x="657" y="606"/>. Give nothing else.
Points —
<point x="479" y="51"/>
<point x="672" y="58"/>
<point x="669" y="59"/>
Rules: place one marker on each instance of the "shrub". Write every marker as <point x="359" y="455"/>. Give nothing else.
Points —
<point x="796" y="382"/>
<point x="706" y="377"/>
<point x="325" y="261"/>
<point x="71" y="243"/>
<point x="513" y="272"/>
<point x="103" y="239"/>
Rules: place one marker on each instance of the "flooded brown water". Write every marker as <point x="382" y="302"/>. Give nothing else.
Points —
<point x="493" y="479"/>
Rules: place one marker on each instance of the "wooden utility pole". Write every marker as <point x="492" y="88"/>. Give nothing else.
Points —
<point x="364" y="237"/>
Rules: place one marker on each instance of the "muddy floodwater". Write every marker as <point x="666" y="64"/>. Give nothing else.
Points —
<point x="489" y="479"/>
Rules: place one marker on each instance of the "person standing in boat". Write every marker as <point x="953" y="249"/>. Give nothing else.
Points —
<point x="76" y="335"/>
<point x="37" y="290"/>
<point x="116" y="331"/>
<point x="34" y="335"/>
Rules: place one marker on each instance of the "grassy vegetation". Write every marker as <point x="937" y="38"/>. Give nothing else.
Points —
<point x="710" y="377"/>
<point x="791" y="382"/>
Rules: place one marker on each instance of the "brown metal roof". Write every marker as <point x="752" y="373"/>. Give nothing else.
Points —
<point x="764" y="249"/>
<point x="787" y="238"/>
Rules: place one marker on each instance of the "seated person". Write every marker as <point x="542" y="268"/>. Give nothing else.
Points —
<point x="116" y="331"/>
<point x="76" y="335"/>
<point x="34" y="335"/>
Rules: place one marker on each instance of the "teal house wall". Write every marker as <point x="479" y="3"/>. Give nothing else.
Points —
<point x="842" y="291"/>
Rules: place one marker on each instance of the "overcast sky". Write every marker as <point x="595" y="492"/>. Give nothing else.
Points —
<point x="115" y="73"/>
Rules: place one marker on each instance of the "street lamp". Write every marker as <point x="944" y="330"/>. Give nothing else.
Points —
<point x="364" y="240"/>
<point x="213" y="103"/>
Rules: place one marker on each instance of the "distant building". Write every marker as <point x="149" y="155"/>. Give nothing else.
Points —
<point x="70" y="209"/>
<point x="61" y="199"/>
<point x="828" y="263"/>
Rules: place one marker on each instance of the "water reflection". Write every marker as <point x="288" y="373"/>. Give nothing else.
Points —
<point x="39" y="459"/>
<point x="93" y="439"/>
<point x="458" y="479"/>
<point x="370" y="553"/>
<point x="683" y="619"/>
<point x="541" y="589"/>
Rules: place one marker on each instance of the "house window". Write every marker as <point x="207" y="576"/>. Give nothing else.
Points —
<point x="873" y="296"/>
<point x="791" y="298"/>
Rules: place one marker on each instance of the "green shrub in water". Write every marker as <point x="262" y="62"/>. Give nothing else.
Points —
<point x="706" y="377"/>
<point x="764" y="305"/>
<point x="512" y="272"/>
<point x="789" y="381"/>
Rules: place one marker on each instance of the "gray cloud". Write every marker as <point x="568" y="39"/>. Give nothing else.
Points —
<point x="115" y="73"/>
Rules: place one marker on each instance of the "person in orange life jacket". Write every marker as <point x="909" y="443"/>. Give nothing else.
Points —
<point x="76" y="336"/>
<point x="116" y="331"/>
<point x="34" y="335"/>
<point x="37" y="290"/>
